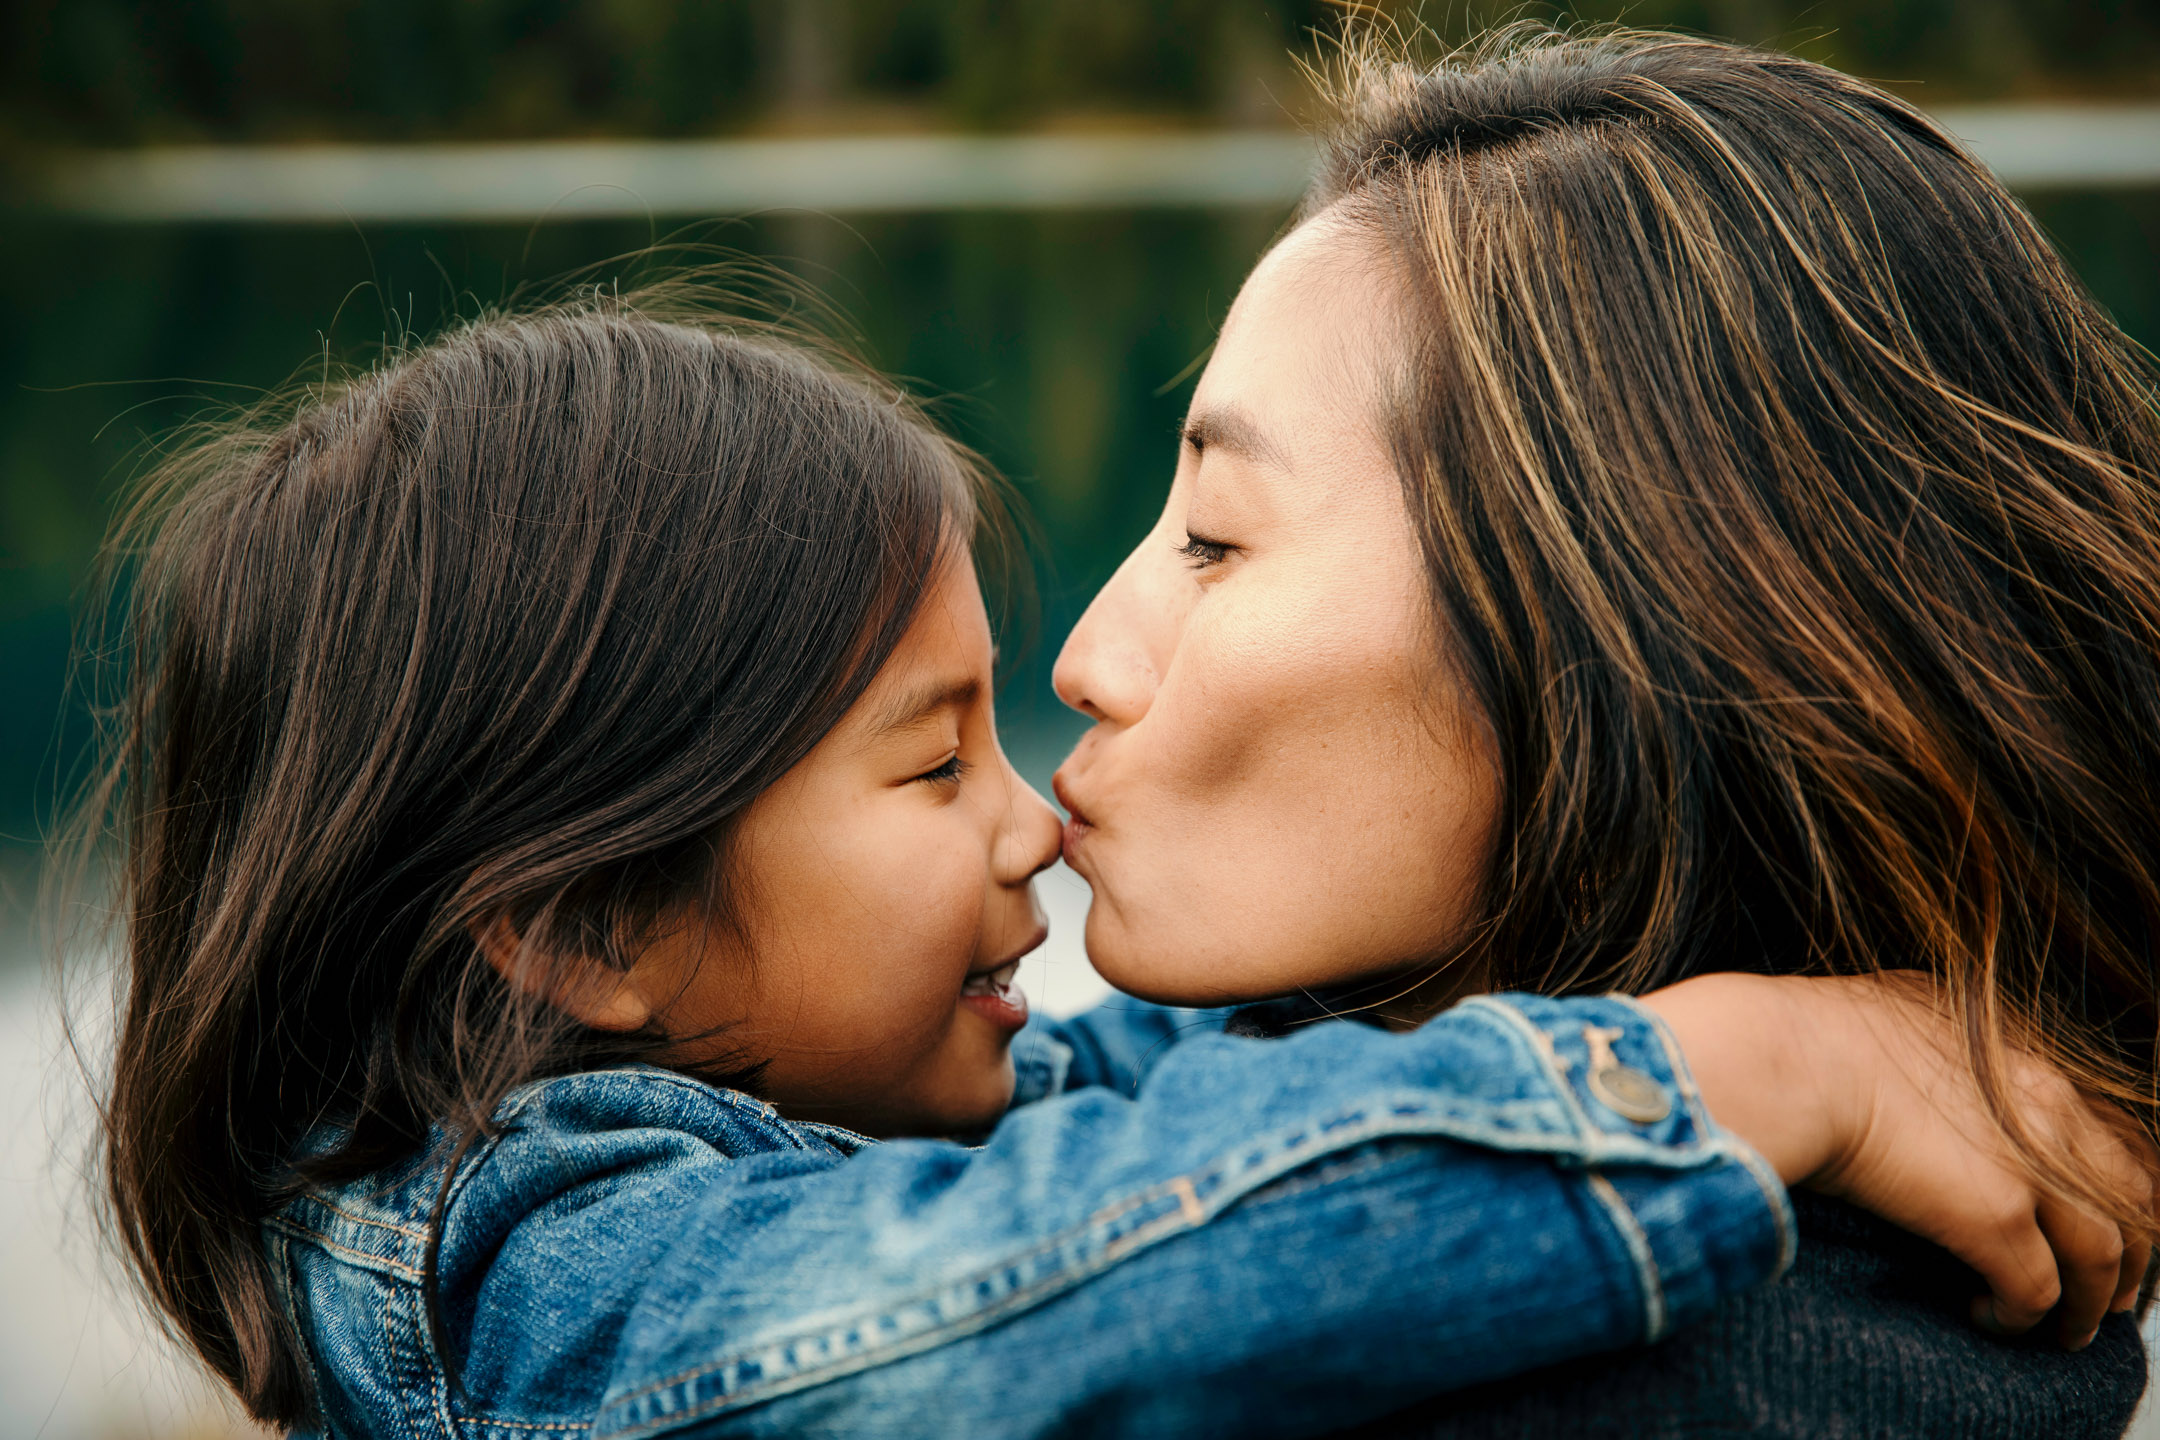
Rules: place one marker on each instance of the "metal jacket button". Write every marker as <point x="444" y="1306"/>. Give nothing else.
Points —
<point x="1622" y="1089"/>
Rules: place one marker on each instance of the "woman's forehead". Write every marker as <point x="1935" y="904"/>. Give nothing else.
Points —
<point x="1301" y="370"/>
<point x="1318" y="309"/>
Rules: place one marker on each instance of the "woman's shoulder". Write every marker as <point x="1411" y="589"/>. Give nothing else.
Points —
<point x="1866" y="1335"/>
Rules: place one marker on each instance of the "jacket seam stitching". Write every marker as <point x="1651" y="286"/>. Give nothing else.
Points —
<point x="438" y="1377"/>
<point x="384" y="1262"/>
<point x="1640" y="1252"/>
<point x="1767" y="1180"/>
<point x="398" y="1358"/>
<point x="406" y="1230"/>
<point x="424" y="1356"/>
<point x="1179" y="1186"/>
<point x="566" y="1426"/>
<point x="1780" y="1201"/>
<point x="1531" y="1040"/>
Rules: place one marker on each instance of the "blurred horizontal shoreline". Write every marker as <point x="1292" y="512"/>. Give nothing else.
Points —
<point x="2029" y="146"/>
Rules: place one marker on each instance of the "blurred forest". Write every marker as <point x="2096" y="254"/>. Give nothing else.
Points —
<point x="110" y="72"/>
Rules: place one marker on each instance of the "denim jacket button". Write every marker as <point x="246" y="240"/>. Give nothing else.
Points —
<point x="1630" y="1094"/>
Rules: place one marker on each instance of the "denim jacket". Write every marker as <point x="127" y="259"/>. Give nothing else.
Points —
<point x="1175" y="1231"/>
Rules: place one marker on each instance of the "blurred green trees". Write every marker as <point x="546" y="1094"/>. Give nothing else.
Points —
<point x="120" y="71"/>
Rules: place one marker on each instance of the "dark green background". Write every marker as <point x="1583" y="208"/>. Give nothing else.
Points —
<point x="1044" y="338"/>
<point x="1052" y="338"/>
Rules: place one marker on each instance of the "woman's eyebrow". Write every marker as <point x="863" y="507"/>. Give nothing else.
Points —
<point x="917" y="704"/>
<point x="1232" y="428"/>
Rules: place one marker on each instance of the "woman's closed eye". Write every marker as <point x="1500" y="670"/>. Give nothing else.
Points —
<point x="1204" y="552"/>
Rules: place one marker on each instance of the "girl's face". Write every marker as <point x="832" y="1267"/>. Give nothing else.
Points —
<point x="1284" y="786"/>
<point x="884" y="885"/>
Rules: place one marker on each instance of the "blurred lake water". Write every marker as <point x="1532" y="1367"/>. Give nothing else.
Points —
<point x="1047" y="340"/>
<point x="1060" y="344"/>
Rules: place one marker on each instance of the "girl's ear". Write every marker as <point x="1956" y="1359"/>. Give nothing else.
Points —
<point x="595" y="995"/>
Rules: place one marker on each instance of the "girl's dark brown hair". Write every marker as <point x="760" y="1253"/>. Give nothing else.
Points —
<point x="1792" y="511"/>
<point x="510" y="629"/>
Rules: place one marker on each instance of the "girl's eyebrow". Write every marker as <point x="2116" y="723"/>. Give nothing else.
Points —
<point x="918" y="704"/>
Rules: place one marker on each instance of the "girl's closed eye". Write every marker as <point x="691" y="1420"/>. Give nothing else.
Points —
<point x="950" y="772"/>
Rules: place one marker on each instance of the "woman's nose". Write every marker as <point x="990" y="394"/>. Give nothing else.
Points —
<point x="1031" y="837"/>
<point x="1106" y="670"/>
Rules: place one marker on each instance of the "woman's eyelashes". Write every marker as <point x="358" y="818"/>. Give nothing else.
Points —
<point x="1204" y="552"/>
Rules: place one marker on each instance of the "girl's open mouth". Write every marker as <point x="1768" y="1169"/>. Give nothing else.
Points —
<point x="993" y="995"/>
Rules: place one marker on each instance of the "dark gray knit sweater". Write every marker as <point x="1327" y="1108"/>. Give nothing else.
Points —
<point x="1866" y="1336"/>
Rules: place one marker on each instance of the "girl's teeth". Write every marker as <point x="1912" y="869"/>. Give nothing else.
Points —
<point x="991" y="982"/>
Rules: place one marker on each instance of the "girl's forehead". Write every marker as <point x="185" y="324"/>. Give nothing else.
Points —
<point x="944" y="661"/>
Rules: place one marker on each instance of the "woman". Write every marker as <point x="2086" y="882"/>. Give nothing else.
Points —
<point x="1663" y="509"/>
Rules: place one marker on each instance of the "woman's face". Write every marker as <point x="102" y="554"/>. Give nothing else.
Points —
<point x="1284" y="786"/>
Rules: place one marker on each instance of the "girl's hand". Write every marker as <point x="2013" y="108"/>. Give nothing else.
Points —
<point x="1859" y="1088"/>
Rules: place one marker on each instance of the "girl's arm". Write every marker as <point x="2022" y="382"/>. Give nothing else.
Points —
<point x="1914" y="1119"/>
<point x="1270" y="1237"/>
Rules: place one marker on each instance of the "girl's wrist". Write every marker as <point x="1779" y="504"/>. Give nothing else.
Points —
<point x="1765" y="1065"/>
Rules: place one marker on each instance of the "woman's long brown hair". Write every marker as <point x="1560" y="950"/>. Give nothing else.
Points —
<point x="510" y="628"/>
<point x="1793" y="512"/>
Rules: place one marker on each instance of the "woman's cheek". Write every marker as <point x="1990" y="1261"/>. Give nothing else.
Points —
<point x="1270" y="708"/>
<point x="1295" y="797"/>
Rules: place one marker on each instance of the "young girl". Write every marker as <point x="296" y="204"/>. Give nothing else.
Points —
<point x="562" y="818"/>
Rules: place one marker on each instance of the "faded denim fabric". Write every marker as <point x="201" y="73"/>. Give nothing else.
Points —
<point x="1179" y="1232"/>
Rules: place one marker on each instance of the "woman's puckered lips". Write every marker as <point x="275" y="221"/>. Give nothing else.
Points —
<point x="1078" y="827"/>
<point x="1063" y="789"/>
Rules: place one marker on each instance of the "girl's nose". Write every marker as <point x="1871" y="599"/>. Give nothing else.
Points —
<point x="1031" y="837"/>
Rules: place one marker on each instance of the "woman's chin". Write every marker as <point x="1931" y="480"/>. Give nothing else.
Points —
<point x="1167" y="971"/>
<point x="1153" y="985"/>
<point x="1199" y="972"/>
